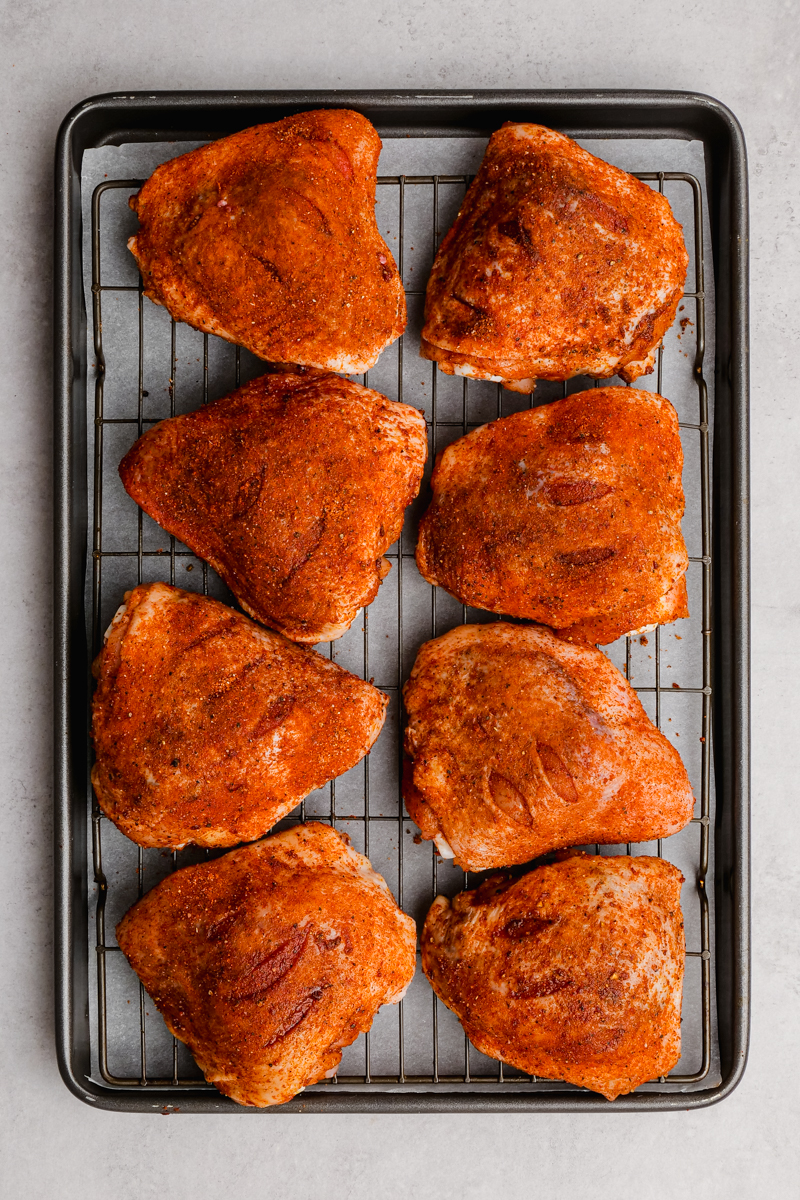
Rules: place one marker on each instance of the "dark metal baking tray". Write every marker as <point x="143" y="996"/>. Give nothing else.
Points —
<point x="722" y="694"/>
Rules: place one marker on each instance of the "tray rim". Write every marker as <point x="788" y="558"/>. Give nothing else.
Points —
<point x="116" y="117"/>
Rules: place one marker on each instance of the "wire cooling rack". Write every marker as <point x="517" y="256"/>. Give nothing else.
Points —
<point x="147" y="368"/>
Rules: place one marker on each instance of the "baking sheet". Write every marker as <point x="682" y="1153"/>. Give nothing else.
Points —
<point x="413" y="1047"/>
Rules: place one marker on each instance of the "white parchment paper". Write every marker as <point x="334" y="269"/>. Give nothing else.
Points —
<point x="179" y="369"/>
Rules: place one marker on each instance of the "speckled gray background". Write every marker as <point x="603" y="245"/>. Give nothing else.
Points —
<point x="53" y="54"/>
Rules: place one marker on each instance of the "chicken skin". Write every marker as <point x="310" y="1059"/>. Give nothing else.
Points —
<point x="269" y="960"/>
<point x="291" y="488"/>
<point x="573" y="972"/>
<point x="557" y="265"/>
<point x="518" y="743"/>
<point x="268" y="238"/>
<point x="568" y="514"/>
<point x="208" y="729"/>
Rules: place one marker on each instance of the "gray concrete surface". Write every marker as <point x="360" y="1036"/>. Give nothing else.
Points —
<point x="53" y="54"/>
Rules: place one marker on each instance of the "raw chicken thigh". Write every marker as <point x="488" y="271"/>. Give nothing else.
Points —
<point x="292" y="488"/>
<point x="573" y="972"/>
<point x="518" y="743"/>
<point x="568" y="514"/>
<point x="557" y="265"/>
<point x="268" y="238"/>
<point x="208" y="729"/>
<point x="269" y="960"/>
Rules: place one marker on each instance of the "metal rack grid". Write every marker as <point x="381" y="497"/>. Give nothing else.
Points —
<point x="477" y="1071"/>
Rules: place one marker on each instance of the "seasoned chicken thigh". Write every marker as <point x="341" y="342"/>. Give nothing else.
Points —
<point x="573" y="972"/>
<point x="292" y="488"/>
<point x="208" y="729"/>
<point x="569" y="514"/>
<point x="269" y="960"/>
<point x="557" y="265"/>
<point x="268" y="238"/>
<point x="518" y="743"/>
